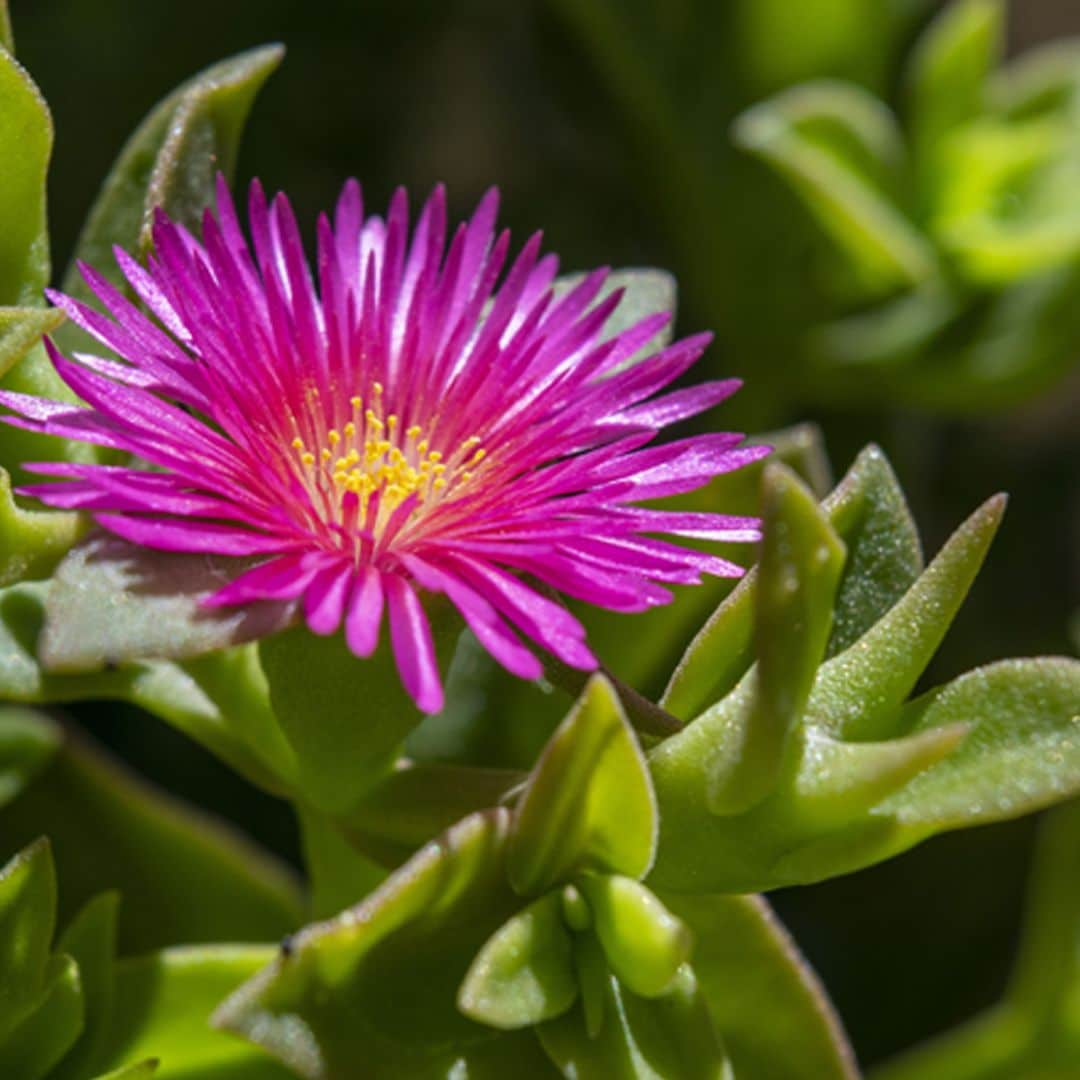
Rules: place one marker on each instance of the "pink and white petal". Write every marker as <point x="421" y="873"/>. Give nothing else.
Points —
<point x="414" y="650"/>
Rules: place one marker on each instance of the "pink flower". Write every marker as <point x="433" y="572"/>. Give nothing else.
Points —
<point x="401" y="420"/>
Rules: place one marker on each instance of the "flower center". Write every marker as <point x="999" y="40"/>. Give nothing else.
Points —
<point x="371" y="454"/>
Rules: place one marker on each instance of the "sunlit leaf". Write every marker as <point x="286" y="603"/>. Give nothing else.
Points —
<point x="41" y="1039"/>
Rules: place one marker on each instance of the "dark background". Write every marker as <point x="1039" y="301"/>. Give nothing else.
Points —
<point x="475" y="93"/>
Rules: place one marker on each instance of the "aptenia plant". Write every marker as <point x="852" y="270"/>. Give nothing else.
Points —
<point x="267" y="459"/>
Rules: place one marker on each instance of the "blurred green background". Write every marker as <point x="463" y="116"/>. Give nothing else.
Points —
<point x="479" y="93"/>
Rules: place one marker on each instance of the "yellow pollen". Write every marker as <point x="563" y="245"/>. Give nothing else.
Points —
<point x="308" y="458"/>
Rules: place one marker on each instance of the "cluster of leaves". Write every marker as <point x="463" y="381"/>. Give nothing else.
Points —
<point x="935" y="252"/>
<point x="579" y="911"/>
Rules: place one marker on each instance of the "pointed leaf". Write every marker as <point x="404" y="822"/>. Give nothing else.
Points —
<point x="645" y="944"/>
<point x="162" y="1011"/>
<point x="27" y="919"/>
<point x="524" y="974"/>
<point x="859" y="692"/>
<point x="27" y="744"/>
<point x="90" y="941"/>
<point x="379" y="983"/>
<point x="32" y="542"/>
<point x="641" y="1038"/>
<point x="1023" y="752"/>
<point x="21" y="328"/>
<point x="160" y="595"/>
<point x="884" y="554"/>
<point x="768" y="1005"/>
<point x="25" y="145"/>
<point x="588" y="803"/>
<point x="43" y="1037"/>
<point x="800" y="564"/>
<point x="170" y="162"/>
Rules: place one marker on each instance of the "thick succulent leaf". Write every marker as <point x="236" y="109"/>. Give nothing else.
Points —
<point x="524" y="974"/>
<point x="25" y="145"/>
<point x="646" y="292"/>
<point x="645" y="944"/>
<point x="768" y="1005"/>
<point x="640" y="1038"/>
<point x="1023" y="752"/>
<point x="111" y="830"/>
<point x="90" y="941"/>
<point x="884" y="554"/>
<point x="797" y="575"/>
<point x="27" y="919"/>
<point x="948" y="72"/>
<point x="145" y="1070"/>
<point x="189" y="700"/>
<point x="588" y="803"/>
<point x="869" y="514"/>
<point x="379" y="983"/>
<point x="27" y="744"/>
<point x="884" y="251"/>
<point x="42" y="1038"/>
<point x="171" y="162"/>
<point x="858" y="693"/>
<point x="7" y="40"/>
<point x="20" y="329"/>
<point x="32" y="542"/>
<point x="112" y="601"/>
<point x="345" y="719"/>
<point x="162" y="1011"/>
<point x="338" y="876"/>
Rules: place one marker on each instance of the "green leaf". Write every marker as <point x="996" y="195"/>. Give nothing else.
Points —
<point x="858" y="693"/>
<point x="1023" y="752"/>
<point x="20" y="329"/>
<point x="641" y="1038"/>
<point x="90" y="941"/>
<point x="798" y="571"/>
<point x="884" y="251"/>
<point x="162" y="1011"/>
<point x="379" y="983"/>
<point x="111" y="601"/>
<point x="170" y="162"/>
<point x="27" y="744"/>
<point x="645" y="292"/>
<point x="32" y="542"/>
<point x="588" y="803"/>
<point x="25" y="145"/>
<point x="216" y="701"/>
<point x="768" y="1005"/>
<point x="37" y="1043"/>
<point x="7" y="40"/>
<point x="27" y="919"/>
<point x="111" y="830"/>
<point x="948" y="72"/>
<point x="338" y="875"/>
<point x="645" y="944"/>
<point x="145" y="1070"/>
<point x="524" y="974"/>
<point x="869" y="512"/>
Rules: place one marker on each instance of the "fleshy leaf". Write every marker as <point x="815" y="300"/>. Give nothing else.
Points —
<point x="162" y="1010"/>
<point x="32" y="541"/>
<point x="27" y="919"/>
<point x="111" y="601"/>
<point x="27" y="744"/>
<point x="170" y="162"/>
<point x="338" y="875"/>
<point x="1023" y="753"/>
<point x="110" y="830"/>
<point x="21" y="328"/>
<point x="797" y="575"/>
<point x="145" y="1070"/>
<point x="43" y="1037"/>
<point x="884" y="250"/>
<point x="645" y="944"/>
<point x="7" y="40"/>
<point x="588" y="803"/>
<point x="859" y="692"/>
<point x="379" y="983"/>
<point x="25" y="145"/>
<point x="768" y="1005"/>
<point x="524" y="974"/>
<point x="640" y="1038"/>
<point x="90" y="941"/>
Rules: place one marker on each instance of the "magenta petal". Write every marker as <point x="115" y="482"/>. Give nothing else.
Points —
<point x="324" y="598"/>
<point x="414" y="650"/>
<point x="364" y="615"/>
